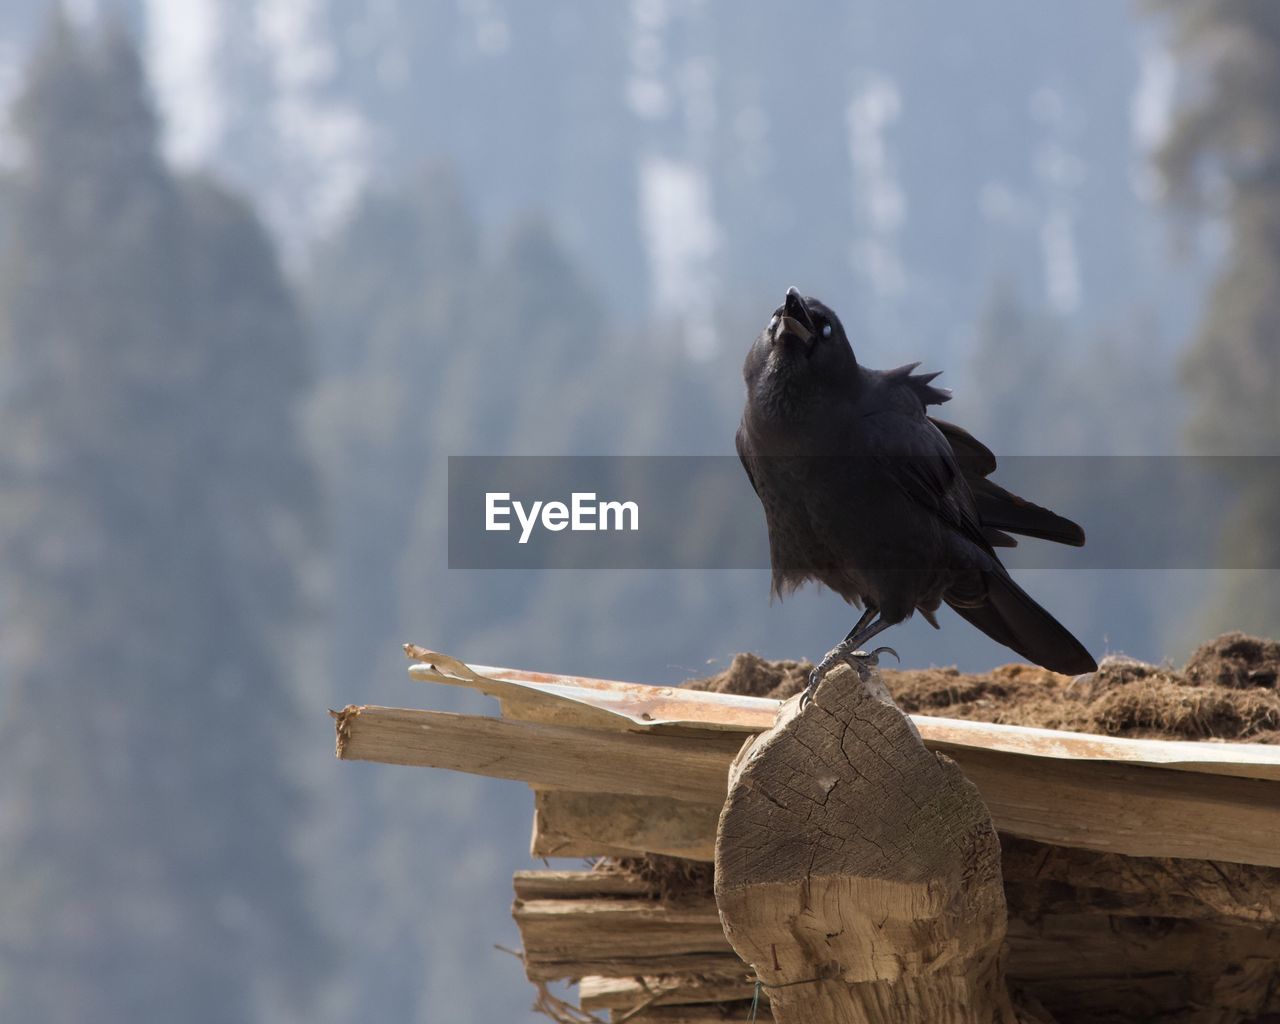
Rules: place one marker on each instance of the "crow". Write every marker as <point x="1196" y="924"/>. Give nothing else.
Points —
<point x="891" y="508"/>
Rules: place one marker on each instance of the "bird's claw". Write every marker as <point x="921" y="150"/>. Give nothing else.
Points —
<point x="863" y="659"/>
<point x="806" y="694"/>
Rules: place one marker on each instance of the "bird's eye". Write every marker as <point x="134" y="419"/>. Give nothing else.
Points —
<point x="826" y="330"/>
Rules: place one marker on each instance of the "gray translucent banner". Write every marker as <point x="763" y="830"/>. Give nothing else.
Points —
<point x="700" y="512"/>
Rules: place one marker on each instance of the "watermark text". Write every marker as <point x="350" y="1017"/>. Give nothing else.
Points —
<point x="582" y="513"/>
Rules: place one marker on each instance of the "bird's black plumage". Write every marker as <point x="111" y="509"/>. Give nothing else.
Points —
<point x="890" y="508"/>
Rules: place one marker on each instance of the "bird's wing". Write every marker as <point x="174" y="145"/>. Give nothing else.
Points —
<point x="914" y="453"/>
<point x="975" y="457"/>
<point x="999" y="509"/>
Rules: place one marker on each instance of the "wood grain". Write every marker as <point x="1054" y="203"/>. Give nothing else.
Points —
<point x="1095" y="805"/>
<point x="608" y="824"/>
<point x="560" y="936"/>
<point x="548" y="885"/>
<point x="549" y="756"/>
<point x="858" y="873"/>
<point x="595" y="993"/>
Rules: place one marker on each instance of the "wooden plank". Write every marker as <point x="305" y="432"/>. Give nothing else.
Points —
<point x="596" y="993"/>
<point x="715" y="964"/>
<point x="543" y="755"/>
<point x="695" y="1014"/>
<point x="598" y="824"/>
<point x="1096" y="805"/>
<point x="632" y="706"/>
<point x="545" y="885"/>
<point x="1141" y="812"/>
<point x="624" y="938"/>
<point x="571" y="930"/>
<point x="607" y="824"/>
<point x="1039" y="879"/>
<point x="1148" y="965"/>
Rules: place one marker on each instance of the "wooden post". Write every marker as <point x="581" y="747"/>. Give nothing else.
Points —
<point x="859" y="873"/>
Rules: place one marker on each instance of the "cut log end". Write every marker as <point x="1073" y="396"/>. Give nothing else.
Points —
<point x="858" y="873"/>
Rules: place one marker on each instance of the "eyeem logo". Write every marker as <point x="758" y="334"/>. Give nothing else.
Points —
<point x="583" y="513"/>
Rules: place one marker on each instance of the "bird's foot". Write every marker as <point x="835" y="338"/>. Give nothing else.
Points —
<point x="861" y="662"/>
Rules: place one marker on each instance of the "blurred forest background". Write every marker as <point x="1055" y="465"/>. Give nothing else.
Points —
<point x="264" y="264"/>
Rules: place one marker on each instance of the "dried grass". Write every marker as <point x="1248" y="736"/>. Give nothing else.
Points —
<point x="1227" y="691"/>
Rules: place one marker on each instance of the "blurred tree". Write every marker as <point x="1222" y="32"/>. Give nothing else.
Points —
<point x="394" y="300"/>
<point x="1049" y="402"/>
<point x="389" y="299"/>
<point x="1014" y="350"/>
<point x="1034" y="386"/>
<point x="1222" y="158"/>
<point x="430" y="346"/>
<point x="155" y="509"/>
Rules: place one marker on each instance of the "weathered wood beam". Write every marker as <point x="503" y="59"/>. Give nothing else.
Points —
<point x="1178" y="939"/>
<point x="1039" y="878"/>
<point x="1096" y="805"/>
<point x="595" y="993"/>
<point x="858" y="873"/>
<point x="548" y="885"/>
<point x="560" y="936"/>
<point x="1142" y="812"/>
<point x="715" y="1014"/>
<point x="690" y="964"/>
<point x="552" y="756"/>
<point x="608" y="824"/>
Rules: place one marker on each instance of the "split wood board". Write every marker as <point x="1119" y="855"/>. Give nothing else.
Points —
<point x="1093" y="804"/>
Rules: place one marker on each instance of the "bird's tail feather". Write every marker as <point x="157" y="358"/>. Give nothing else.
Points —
<point x="1010" y="616"/>
<point x="1004" y="510"/>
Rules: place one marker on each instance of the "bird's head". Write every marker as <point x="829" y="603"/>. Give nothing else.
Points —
<point x="802" y="349"/>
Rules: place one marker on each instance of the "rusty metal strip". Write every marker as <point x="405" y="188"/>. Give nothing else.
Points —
<point x="632" y="706"/>
<point x="622" y="705"/>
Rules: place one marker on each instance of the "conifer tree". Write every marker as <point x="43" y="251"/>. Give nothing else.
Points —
<point x="154" y="509"/>
<point x="1222" y="156"/>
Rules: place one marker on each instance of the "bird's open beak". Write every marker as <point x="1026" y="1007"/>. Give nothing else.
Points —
<point x="795" y="318"/>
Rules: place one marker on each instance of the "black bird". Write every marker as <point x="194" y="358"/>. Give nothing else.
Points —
<point x="890" y="508"/>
